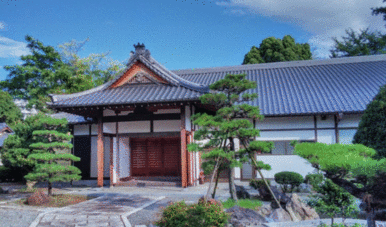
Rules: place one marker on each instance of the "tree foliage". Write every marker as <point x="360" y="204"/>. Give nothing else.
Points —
<point x="372" y="126"/>
<point x="277" y="50"/>
<point x="48" y="167"/>
<point x="230" y="122"/>
<point x="97" y="67"/>
<point x="356" y="44"/>
<point x="9" y="112"/>
<point x="16" y="147"/>
<point x="353" y="168"/>
<point x="43" y="72"/>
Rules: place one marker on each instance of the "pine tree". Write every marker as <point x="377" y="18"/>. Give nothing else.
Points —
<point x="231" y="122"/>
<point x="372" y="127"/>
<point x="47" y="156"/>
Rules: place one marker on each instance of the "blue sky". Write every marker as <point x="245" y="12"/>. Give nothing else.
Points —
<point x="179" y="33"/>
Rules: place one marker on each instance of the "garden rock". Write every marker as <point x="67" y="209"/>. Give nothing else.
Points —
<point x="300" y="211"/>
<point x="245" y="217"/>
<point x="38" y="198"/>
<point x="279" y="215"/>
<point x="242" y="193"/>
<point x="280" y="196"/>
<point x="265" y="210"/>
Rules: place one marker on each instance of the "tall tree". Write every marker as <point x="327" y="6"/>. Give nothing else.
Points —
<point x="372" y="126"/>
<point x="9" y="112"/>
<point x="42" y="72"/>
<point x="356" y="44"/>
<point x="99" y="67"/>
<point x="380" y="10"/>
<point x="16" y="147"/>
<point x="229" y="124"/>
<point x="48" y="169"/>
<point x="274" y="49"/>
<point x="353" y="168"/>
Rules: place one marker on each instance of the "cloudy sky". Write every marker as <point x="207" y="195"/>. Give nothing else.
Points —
<point x="179" y="33"/>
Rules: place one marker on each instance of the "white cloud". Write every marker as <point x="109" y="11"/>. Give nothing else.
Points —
<point x="323" y="19"/>
<point x="10" y="48"/>
<point x="2" y="26"/>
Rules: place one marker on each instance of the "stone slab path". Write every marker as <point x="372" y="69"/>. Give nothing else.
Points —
<point x="107" y="210"/>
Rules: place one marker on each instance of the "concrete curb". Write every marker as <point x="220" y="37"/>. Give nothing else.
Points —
<point x="125" y="215"/>
<point x="348" y="221"/>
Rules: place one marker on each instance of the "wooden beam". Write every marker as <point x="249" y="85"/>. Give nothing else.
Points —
<point x="142" y="117"/>
<point x="100" y="151"/>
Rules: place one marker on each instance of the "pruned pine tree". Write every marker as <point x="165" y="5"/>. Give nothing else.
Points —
<point x="46" y="154"/>
<point x="230" y="123"/>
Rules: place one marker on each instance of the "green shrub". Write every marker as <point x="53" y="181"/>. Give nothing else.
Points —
<point x="253" y="204"/>
<point x="258" y="183"/>
<point x="286" y="178"/>
<point x="314" y="179"/>
<point x="204" y="214"/>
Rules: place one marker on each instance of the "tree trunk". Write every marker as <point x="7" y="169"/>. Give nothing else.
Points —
<point x="49" y="188"/>
<point x="215" y="185"/>
<point x="266" y="184"/>
<point x="207" y="197"/>
<point x="232" y="188"/>
<point x="370" y="217"/>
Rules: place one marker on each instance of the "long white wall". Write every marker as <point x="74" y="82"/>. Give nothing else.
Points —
<point x="300" y="128"/>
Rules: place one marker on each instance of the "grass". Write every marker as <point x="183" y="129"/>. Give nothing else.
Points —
<point x="60" y="200"/>
<point x="27" y="190"/>
<point x="245" y="203"/>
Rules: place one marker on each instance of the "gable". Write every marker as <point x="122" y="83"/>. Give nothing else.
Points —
<point x="138" y="73"/>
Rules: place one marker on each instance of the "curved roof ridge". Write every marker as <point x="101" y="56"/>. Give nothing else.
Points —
<point x="287" y="64"/>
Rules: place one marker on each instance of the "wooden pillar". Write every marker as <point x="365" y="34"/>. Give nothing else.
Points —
<point x="189" y="154"/>
<point x="336" y="129"/>
<point x="117" y="112"/>
<point x="316" y="128"/>
<point x="111" y="161"/>
<point x="100" y="151"/>
<point x="184" y="174"/>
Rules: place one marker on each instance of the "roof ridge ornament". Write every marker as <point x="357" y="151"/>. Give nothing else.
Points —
<point x="141" y="50"/>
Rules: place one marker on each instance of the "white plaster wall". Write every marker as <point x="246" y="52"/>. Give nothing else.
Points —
<point x="94" y="158"/>
<point x="328" y="123"/>
<point x="94" y="129"/>
<point x="115" y="160"/>
<point x="134" y="127"/>
<point x="287" y="135"/>
<point x="346" y="136"/>
<point x="108" y="113"/>
<point x="187" y="119"/>
<point x="281" y="163"/>
<point x="286" y="122"/>
<point x="326" y="136"/>
<point x="167" y="126"/>
<point x="124" y="157"/>
<point x="81" y="130"/>
<point x="351" y="120"/>
<point x="109" y="128"/>
<point x="167" y="111"/>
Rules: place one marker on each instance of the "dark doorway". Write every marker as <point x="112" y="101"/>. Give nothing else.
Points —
<point x="82" y="149"/>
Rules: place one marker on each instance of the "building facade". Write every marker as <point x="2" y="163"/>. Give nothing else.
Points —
<point x="139" y="124"/>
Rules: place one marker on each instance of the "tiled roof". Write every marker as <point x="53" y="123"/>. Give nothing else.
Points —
<point x="306" y="87"/>
<point x="71" y="118"/>
<point x="284" y="88"/>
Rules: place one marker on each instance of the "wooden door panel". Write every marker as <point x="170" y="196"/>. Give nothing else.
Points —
<point x="138" y="150"/>
<point x="155" y="165"/>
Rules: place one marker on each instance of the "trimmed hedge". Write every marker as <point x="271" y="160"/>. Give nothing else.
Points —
<point x="286" y="178"/>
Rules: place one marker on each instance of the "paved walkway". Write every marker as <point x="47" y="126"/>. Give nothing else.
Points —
<point x="110" y="209"/>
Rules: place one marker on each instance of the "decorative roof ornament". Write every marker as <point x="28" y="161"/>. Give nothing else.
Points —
<point x="141" y="50"/>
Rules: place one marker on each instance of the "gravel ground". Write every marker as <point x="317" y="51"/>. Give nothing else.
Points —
<point x="13" y="217"/>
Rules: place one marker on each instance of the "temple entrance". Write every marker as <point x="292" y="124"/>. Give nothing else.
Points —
<point x="156" y="156"/>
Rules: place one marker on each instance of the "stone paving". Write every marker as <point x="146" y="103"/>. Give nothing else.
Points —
<point x="107" y="210"/>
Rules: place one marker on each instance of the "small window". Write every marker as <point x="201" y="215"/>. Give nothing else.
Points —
<point x="284" y="147"/>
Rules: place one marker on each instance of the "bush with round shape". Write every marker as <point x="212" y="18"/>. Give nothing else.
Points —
<point x="286" y="178"/>
<point x="204" y="213"/>
<point x="314" y="179"/>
